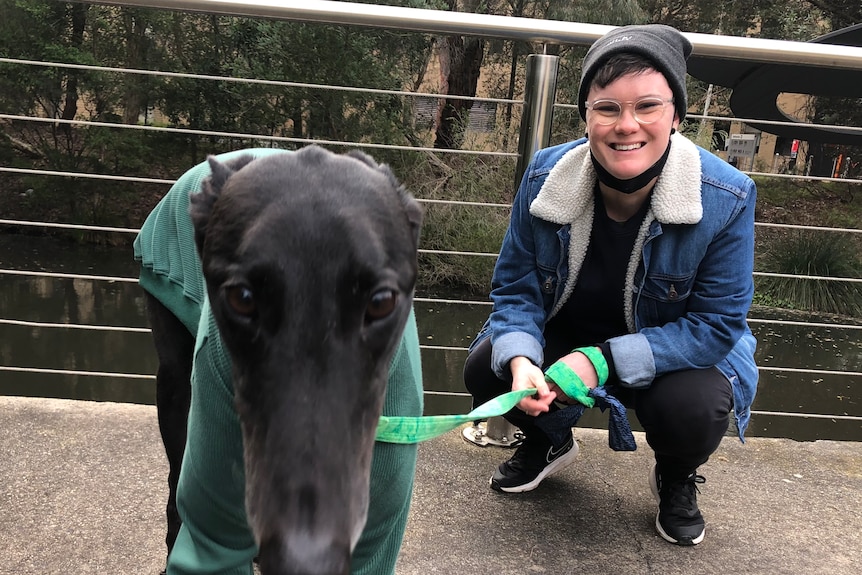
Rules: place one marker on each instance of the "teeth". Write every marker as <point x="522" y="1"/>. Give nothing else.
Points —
<point x="624" y="148"/>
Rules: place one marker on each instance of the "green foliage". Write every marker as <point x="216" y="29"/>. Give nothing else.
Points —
<point x="813" y="254"/>
<point x="218" y="46"/>
<point x="456" y="227"/>
<point x="288" y="51"/>
<point x="809" y="252"/>
<point x="610" y="12"/>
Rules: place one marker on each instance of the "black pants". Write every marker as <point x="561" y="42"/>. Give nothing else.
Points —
<point x="684" y="414"/>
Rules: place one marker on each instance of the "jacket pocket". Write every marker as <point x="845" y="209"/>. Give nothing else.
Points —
<point x="663" y="298"/>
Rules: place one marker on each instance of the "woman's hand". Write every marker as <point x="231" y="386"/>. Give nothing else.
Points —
<point x="526" y="375"/>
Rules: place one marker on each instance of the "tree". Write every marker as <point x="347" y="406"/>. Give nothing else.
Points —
<point x="841" y="13"/>
<point x="460" y="63"/>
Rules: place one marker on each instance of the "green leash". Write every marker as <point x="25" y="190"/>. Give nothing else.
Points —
<point x="416" y="429"/>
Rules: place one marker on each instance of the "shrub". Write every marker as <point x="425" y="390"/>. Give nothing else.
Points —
<point x="813" y="254"/>
<point x="438" y="179"/>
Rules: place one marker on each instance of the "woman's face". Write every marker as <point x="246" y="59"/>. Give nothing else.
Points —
<point x="627" y="148"/>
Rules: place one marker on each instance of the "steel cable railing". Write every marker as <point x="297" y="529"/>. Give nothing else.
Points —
<point x="258" y="137"/>
<point x="257" y="81"/>
<point x="252" y="136"/>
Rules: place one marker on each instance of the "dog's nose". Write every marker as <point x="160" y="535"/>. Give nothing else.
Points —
<point x="304" y="554"/>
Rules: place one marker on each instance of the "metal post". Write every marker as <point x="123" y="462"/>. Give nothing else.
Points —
<point x="495" y="431"/>
<point x="539" y="93"/>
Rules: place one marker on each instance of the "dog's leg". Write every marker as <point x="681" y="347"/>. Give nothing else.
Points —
<point x="175" y="350"/>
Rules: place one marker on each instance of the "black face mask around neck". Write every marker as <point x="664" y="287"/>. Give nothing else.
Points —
<point x="632" y="184"/>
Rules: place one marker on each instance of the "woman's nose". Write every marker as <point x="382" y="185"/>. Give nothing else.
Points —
<point x="627" y="122"/>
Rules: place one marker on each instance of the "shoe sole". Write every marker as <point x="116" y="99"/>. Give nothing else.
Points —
<point x="557" y="464"/>
<point x="654" y="488"/>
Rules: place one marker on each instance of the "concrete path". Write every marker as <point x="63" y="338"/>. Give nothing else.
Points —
<point x="83" y="486"/>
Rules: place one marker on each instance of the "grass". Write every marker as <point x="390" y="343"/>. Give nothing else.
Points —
<point x="807" y="252"/>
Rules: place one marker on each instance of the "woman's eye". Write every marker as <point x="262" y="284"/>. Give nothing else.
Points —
<point x="381" y="304"/>
<point x="608" y="109"/>
<point x="241" y="300"/>
<point x="647" y="106"/>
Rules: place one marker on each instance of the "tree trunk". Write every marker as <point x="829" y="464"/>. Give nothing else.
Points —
<point x="517" y="12"/>
<point x="134" y="92"/>
<point x="460" y="63"/>
<point x="70" y="104"/>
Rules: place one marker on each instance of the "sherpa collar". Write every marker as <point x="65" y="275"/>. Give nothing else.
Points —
<point x="567" y="197"/>
<point x="568" y="189"/>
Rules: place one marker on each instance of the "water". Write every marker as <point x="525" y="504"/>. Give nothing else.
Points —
<point x="122" y="304"/>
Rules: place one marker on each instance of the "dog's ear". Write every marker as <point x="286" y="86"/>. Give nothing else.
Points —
<point x="363" y="157"/>
<point x="414" y="212"/>
<point x="411" y="206"/>
<point x="201" y="203"/>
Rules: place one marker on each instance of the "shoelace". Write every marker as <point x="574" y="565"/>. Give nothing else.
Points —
<point x="683" y="492"/>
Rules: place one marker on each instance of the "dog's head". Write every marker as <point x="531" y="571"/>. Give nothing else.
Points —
<point x="310" y="264"/>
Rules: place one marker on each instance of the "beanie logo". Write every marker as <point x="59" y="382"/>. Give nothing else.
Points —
<point x="620" y="39"/>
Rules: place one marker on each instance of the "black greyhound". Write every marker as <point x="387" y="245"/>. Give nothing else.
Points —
<point x="309" y="265"/>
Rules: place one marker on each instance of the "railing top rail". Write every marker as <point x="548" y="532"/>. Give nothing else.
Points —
<point x="525" y="29"/>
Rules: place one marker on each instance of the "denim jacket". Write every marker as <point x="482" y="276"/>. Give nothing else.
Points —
<point x="689" y="282"/>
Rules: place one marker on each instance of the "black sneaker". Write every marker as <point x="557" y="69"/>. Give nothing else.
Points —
<point x="531" y="463"/>
<point x="678" y="520"/>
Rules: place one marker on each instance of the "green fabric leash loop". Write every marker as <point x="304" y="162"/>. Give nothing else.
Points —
<point x="393" y="429"/>
<point x="598" y="360"/>
<point x="569" y="381"/>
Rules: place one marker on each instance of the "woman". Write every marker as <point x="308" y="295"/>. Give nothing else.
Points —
<point x="635" y="246"/>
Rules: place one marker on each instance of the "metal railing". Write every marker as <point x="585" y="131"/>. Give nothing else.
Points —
<point x="539" y="104"/>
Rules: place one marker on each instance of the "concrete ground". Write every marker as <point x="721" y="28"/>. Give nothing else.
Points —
<point x="83" y="490"/>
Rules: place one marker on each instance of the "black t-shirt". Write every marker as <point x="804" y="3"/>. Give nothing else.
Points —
<point x="595" y="310"/>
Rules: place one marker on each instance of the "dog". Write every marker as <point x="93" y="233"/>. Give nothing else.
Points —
<point x="308" y="262"/>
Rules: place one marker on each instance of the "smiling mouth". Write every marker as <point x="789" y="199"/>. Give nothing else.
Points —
<point x="627" y="147"/>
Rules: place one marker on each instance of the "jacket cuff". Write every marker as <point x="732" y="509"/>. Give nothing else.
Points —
<point x="511" y="345"/>
<point x="633" y="360"/>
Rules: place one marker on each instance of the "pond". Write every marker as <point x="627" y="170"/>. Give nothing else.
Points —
<point x="441" y="325"/>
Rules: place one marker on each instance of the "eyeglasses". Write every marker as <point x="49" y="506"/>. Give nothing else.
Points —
<point x="645" y="110"/>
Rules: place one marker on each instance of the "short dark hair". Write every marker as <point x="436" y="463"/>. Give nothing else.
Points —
<point x="620" y="65"/>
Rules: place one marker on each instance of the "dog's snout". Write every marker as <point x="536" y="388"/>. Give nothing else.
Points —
<point x="300" y="553"/>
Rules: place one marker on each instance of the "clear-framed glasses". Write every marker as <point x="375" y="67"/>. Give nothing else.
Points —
<point x="645" y="110"/>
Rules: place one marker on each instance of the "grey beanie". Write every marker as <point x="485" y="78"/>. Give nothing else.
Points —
<point x="664" y="46"/>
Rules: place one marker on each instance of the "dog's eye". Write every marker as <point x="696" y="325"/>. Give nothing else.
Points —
<point x="241" y="300"/>
<point x="381" y="304"/>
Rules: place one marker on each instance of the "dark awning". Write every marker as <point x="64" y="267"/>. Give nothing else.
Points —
<point x="756" y="88"/>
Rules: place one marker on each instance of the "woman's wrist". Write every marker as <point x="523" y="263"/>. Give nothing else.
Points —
<point x="597" y="359"/>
